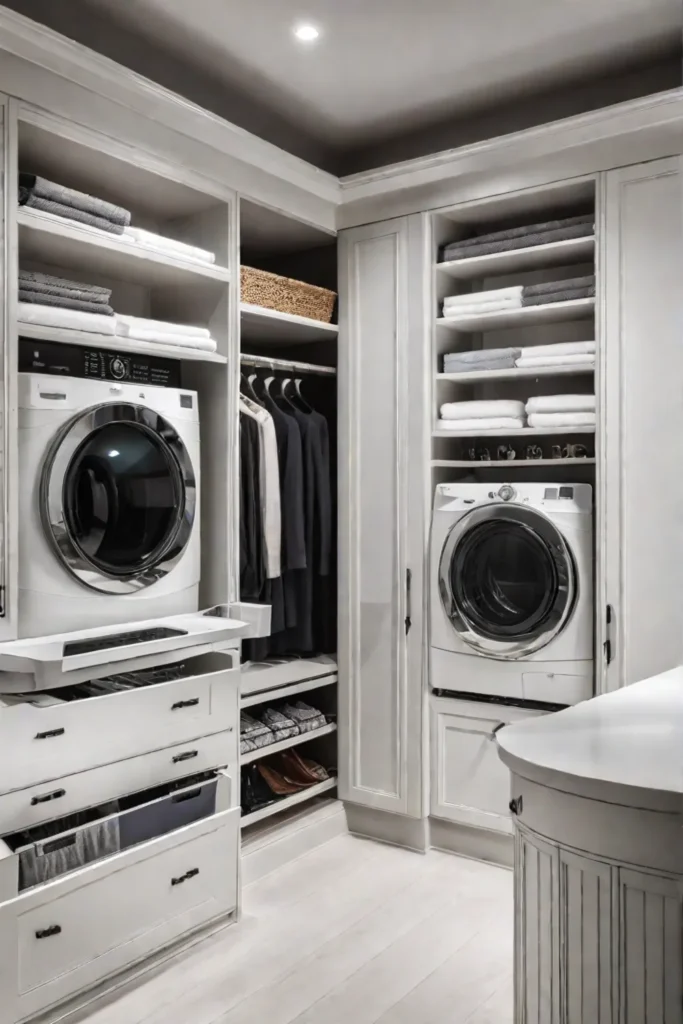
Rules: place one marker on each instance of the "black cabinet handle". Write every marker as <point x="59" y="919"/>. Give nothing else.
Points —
<point x="191" y="703"/>
<point x="516" y="806"/>
<point x="44" y="797"/>
<point x="45" y="933"/>
<point x="49" y="734"/>
<point x="185" y="756"/>
<point x="183" y="878"/>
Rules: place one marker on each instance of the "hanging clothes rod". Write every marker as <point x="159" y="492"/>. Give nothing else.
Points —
<point x="287" y="364"/>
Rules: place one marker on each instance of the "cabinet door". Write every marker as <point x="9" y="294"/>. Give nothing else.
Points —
<point x="381" y="539"/>
<point x="537" y="953"/>
<point x="586" y="915"/>
<point x="651" y="952"/>
<point x="640" y="541"/>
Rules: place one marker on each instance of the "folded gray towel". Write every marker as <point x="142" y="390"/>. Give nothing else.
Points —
<point x="526" y="229"/>
<point x="64" y="293"/>
<point x="38" y="282"/>
<point x="458" y="250"/>
<point x="60" y="210"/>
<point x="566" y="295"/>
<point x="42" y="299"/>
<point x="479" y="355"/>
<point x="557" y="286"/>
<point x="501" y="363"/>
<point x="70" y="197"/>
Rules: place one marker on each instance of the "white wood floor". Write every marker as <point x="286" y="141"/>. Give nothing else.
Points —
<point x="353" y="931"/>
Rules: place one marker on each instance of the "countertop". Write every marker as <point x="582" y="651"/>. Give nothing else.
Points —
<point x="625" y="746"/>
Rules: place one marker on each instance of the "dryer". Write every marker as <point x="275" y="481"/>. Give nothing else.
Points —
<point x="108" y="490"/>
<point x="511" y="591"/>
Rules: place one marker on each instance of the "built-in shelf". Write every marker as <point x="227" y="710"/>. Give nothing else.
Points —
<point x="293" y="741"/>
<point x="288" y="691"/>
<point x="507" y="463"/>
<point x="526" y="316"/>
<point x="113" y="343"/>
<point x="518" y="432"/>
<point x="264" y="676"/>
<point x="554" y="254"/>
<point x="269" y="325"/>
<point x="64" y="245"/>
<point x="518" y="373"/>
<point x="284" y="803"/>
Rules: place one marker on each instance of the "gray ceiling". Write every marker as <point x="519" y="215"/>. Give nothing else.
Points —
<point x="382" y="68"/>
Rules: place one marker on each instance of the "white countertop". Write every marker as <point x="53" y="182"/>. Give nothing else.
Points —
<point x="631" y="739"/>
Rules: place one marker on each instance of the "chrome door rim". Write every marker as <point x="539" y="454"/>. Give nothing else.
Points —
<point x="51" y="499"/>
<point x="557" y="548"/>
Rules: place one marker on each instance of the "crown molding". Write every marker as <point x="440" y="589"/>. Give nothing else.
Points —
<point x="32" y="42"/>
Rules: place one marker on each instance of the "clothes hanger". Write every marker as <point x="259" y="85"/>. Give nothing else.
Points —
<point x="307" y="407"/>
<point x="247" y="389"/>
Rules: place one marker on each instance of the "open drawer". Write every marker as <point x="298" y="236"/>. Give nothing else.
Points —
<point x="46" y="736"/>
<point x="70" y="934"/>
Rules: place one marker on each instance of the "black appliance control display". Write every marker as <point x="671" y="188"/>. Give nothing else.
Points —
<point x="52" y="357"/>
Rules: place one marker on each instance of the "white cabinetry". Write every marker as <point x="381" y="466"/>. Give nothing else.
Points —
<point x="381" y="516"/>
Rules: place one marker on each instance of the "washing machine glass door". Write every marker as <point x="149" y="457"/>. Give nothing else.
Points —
<point x="507" y="580"/>
<point x="118" y="497"/>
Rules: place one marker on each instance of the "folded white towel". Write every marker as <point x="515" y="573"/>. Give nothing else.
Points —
<point x="170" y="338"/>
<point x="126" y="325"/>
<point x="168" y="245"/>
<point x="514" y="291"/>
<point x="561" y="403"/>
<point x="496" y="306"/>
<point x="479" y="426"/>
<point x="57" y="316"/>
<point x="482" y="410"/>
<point x="562" y="348"/>
<point x="530" y="361"/>
<point x="562" y="419"/>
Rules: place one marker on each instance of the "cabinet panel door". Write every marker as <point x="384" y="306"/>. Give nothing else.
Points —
<point x="380" y="706"/>
<point x="537" y="953"/>
<point x="651" y="950"/>
<point x="587" y="991"/>
<point x="641" y="426"/>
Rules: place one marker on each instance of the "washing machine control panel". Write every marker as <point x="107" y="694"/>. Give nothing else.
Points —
<point x="97" y="363"/>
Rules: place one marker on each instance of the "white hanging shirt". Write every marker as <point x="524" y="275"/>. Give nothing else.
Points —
<point x="269" y="485"/>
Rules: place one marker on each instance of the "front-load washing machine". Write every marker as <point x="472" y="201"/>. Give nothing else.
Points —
<point x="108" y="490"/>
<point x="511" y="591"/>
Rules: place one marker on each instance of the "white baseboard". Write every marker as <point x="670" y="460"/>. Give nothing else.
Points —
<point x="475" y="843"/>
<point x="395" y="829"/>
<point x="280" y="840"/>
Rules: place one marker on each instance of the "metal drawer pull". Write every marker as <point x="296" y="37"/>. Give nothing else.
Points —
<point x="185" y="756"/>
<point x="191" y="703"/>
<point x="43" y="799"/>
<point x="49" y="734"/>
<point x="45" y="933"/>
<point x="516" y="805"/>
<point x="183" y="878"/>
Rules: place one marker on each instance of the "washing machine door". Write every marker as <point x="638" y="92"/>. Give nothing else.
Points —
<point x="506" y="580"/>
<point x="117" y="497"/>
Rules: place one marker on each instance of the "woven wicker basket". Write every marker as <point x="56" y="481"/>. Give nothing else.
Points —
<point x="286" y="295"/>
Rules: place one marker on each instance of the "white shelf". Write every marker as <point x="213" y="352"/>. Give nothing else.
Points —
<point x="518" y="432"/>
<point x="43" y="240"/>
<point x="518" y="373"/>
<point x="554" y="254"/>
<point x="284" y="803"/>
<point x="260" y="324"/>
<point x="527" y="316"/>
<point x="288" y="691"/>
<point x="293" y="741"/>
<point x="507" y="463"/>
<point x="264" y="676"/>
<point x="113" y="343"/>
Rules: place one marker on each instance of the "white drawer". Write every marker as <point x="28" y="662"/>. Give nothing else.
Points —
<point x="470" y="784"/>
<point x="79" y="930"/>
<point x="46" y="736"/>
<point x="26" y="807"/>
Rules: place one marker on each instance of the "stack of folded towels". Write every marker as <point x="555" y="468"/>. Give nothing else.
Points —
<point x="521" y="238"/>
<point x="481" y="359"/>
<point x="164" y="333"/>
<point x="68" y="204"/>
<point x="566" y="353"/>
<point x="52" y="301"/>
<point x="561" y="411"/>
<point x="518" y="296"/>
<point x="477" y="417"/>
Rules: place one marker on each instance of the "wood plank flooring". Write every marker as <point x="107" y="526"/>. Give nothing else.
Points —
<point x="352" y="931"/>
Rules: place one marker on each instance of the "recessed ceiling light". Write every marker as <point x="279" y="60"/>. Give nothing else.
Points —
<point x="306" y="33"/>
